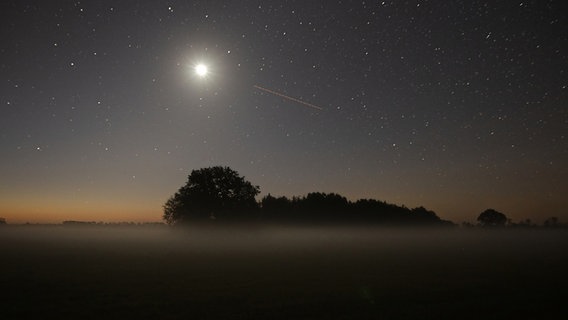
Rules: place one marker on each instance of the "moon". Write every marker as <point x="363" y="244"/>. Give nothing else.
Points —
<point x="201" y="70"/>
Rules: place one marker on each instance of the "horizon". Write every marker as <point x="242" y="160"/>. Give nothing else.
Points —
<point x="149" y="217"/>
<point x="24" y="214"/>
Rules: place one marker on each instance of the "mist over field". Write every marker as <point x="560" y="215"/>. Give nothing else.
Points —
<point x="281" y="272"/>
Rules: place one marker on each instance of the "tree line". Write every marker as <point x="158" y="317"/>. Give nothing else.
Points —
<point x="221" y="194"/>
<point x="318" y="207"/>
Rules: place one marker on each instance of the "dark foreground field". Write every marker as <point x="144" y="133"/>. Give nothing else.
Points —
<point x="281" y="273"/>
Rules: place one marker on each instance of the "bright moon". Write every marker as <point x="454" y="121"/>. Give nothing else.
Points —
<point x="201" y="70"/>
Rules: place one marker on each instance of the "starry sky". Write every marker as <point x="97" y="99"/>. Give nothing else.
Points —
<point x="457" y="106"/>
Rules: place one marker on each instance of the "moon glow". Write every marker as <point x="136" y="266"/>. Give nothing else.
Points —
<point x="201" y="70"/>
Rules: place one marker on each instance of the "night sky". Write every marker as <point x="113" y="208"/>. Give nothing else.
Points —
<point x="457" y="106"/>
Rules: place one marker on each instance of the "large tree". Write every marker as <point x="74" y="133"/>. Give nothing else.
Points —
<point x="212" y="193"/>
<point x="492" y="218"/>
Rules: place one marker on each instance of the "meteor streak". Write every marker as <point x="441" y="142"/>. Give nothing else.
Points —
<point x="287" y="97"/>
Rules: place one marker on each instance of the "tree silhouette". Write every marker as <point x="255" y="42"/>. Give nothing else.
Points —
<point x="273" y="208"/>
<point x="212" y="193"/>
<point x="219" y="193"/>
<point x="552" y="222"/>
<point x="323" y="206"/>
<point x="326" y="208"/>
<point x="492" y="218"/>
<point x="424" y="216"/>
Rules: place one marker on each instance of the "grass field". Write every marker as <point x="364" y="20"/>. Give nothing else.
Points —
<point x="281" y="273"/>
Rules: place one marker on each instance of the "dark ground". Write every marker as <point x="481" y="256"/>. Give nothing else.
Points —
<point x="282" y="273"/>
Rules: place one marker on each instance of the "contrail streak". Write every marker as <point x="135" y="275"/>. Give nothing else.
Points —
<point x="287" y="97"/>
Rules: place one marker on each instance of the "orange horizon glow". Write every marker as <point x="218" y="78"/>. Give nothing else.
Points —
<point x="20" y="210"/>
<point x="53" y="211"/>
